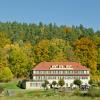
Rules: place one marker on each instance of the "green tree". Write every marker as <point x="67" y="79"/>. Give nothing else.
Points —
<point x="50" y="50"/>
<point x="4" y="57"/>
<point x="20" y="62"/>
<point x="54" y="83"/>
<point x="61" y="82"/>
<point x="44" y="85"/>
<point x="77" y="82"/>
<point x="97" y="41"/>
<point x="99" y="84"/>
<point x="57" y="50"/>
<point x="5" y="74"/>
<point x="41" y="51"/>
<point x="91" y="82"/>
<point x="4" y="39"/>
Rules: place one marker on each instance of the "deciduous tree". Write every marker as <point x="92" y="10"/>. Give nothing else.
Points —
<point x="85" y="50"/>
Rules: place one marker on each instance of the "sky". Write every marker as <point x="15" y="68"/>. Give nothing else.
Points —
<point x="61" y="12"/>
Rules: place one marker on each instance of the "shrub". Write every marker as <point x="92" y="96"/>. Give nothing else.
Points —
<point x="62" y="94"/>
<point x="94" y="92"/>
<point x="54" y="83"/>
<point x="91" y="82"/>
<point x="1" y="89"/>
<point x="49" y="94"/>
<point x="99" y="84"/>
<point x="22" y="84"/>
<point x="77" y="82"/>
<point x="77" y="92"/>
<point x="44" y="85"/>
<point x="61" y="82"/>
<point x="19" y="84"/>
<point x="20" y="94"/>
<point x="37" y="94"/>
<point x="5" y="74"/>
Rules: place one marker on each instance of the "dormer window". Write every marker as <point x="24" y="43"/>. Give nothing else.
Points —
<point x="61" y="67"/>
<point x="64" y="66"/>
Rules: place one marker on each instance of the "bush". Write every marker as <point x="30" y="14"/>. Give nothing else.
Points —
<point x="77" y="82"/>
<point x="22" y="84"/>
<point x="99" y="84"/>
<point x="1" y="89"/>
<point x="49" y="94"/>
<point x="91" y="82"/>
<point x="19" y="84"/>
<point x="5" y="74"/>
<point x="94" y="92"/>
<point x="61" y="82"/>
<point x="77" y="92"/>
<point x="37" y="94"/>
<point x="20" y="94"/>
<point x="62" y="94"/>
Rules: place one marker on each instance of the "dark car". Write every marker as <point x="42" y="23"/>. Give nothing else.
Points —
<point x="84" y="87"/>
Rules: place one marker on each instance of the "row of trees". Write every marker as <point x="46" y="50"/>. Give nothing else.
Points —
<point x="60" y="83"/>
<point x="22" y="46"/>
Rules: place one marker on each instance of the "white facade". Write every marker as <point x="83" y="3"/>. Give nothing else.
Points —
<point x="55" y="74"/>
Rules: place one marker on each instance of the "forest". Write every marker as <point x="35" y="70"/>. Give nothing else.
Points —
<point x="23" y="45"/>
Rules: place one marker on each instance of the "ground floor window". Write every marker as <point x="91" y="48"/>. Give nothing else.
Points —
<point x="38" y="84"/>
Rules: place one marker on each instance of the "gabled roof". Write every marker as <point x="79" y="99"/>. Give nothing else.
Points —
<point x="47" y="66"/>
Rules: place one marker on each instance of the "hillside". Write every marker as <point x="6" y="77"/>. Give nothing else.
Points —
<point x="23" y="45"/>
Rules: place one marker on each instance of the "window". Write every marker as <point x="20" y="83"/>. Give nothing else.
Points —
<point x="37" y="72"/>
<point x="40" y="72"/>
<point x="30" y="84"/>
<point x="82" y="72"/>
<point x="64" y="66"/>
<point x="49" y="72"/>
<point x="54" y="77"/>
<point x="63" y="72"/>
<point x="71" y="77"/>
<point x="84" y="77"/>
<point x="33" y="71"/>
<point x="87" y="72"/>
<point x="60" y="72"/>
<point x="67" y="72"/>
<point x="68" y="77"/>
<point x="71" y="72"/>
<point x="75" y="72"/>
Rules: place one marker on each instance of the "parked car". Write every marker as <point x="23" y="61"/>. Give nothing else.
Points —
<point x="84" y="87"/>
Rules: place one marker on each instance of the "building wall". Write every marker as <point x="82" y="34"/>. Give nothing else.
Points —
<point x="40" y="76"/>
<point x="38" y="85"/>
<point x="34" y="85"/>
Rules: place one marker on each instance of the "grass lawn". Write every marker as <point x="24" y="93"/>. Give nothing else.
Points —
<point x="10" y="85"/>
<point x="22" y="94"/>
<point x="49" y="98"/>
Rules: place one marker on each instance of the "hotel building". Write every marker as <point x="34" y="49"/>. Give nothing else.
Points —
<point x="54" y="71"/>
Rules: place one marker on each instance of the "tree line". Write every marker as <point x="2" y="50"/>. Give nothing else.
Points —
<point x="23" y="45"/>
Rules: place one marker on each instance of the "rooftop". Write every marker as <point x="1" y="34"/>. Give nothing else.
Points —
<point x="60" y="66"/>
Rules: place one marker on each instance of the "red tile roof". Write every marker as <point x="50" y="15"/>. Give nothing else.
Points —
<point x="47" y="66"/>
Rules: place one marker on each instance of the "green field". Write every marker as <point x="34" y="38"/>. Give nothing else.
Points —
<point x="10" y="85"/>
<point x="23" y="94"/>
<point x="49" y="98"/>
